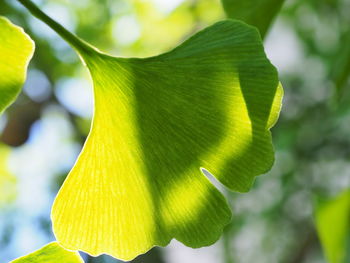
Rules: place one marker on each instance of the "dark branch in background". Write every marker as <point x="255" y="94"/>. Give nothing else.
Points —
<point x="305" y="248"/>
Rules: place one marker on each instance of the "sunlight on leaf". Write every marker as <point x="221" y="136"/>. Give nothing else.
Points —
<point x="16" y="50"/>
<point x="333" y="225"/>
<point x="259" y="13"/>
<point x="51" y="253"/>
<point x="137" y="183"/>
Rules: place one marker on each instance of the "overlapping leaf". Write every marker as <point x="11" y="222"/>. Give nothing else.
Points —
<point x="209" y="103"/>
<point x="259" y="13"/>
<point x="333" y="225"/>
<point x="16" y="50"/>
<point x="51" y="253"/>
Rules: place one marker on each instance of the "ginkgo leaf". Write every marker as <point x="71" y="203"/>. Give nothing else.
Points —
<point x="51" y="253"/>
<point x="259" y="13"/>
<point x="333" y="226"/>
<point x="16" y="50"/>
<point x="137" y="183"/>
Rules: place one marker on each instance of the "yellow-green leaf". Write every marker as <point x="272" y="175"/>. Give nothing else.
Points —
<point x="333" y="226"/>
<point x="16" y="50"/>
<point x="259" y="13"/>
<point x="51" y="253"/>
<point x="137" y="183"/>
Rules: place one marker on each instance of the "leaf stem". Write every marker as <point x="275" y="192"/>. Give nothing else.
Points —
<point x="78" y="44"/>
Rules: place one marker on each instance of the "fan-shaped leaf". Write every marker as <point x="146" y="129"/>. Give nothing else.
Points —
<point x="137" y="183"/>
<point x="16" y="50"/>
<point x="51" y="253"/>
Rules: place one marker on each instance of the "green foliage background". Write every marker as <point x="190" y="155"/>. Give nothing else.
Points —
<point x="309" y="43"/>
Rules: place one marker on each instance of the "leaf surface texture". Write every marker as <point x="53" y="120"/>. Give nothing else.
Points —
<point x="16" y="50"/>
<point x="137" y="183"/>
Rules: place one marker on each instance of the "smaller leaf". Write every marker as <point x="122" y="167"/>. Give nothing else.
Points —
<point x="51" y="253"/>
<point x="258" y="13"/>
<point x="333" y="226"/>
<point x="16" y="50"/>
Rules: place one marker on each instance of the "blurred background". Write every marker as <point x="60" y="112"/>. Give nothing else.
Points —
<point x="42" y="133"/>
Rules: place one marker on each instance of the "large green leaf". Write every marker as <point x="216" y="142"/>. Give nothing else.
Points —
<point x="333" y="225"/>
<point x="51" y="253"/>
<point x="137" y="183"/>
<point x="16" y="50"/>
<point x="259" y="13"/>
